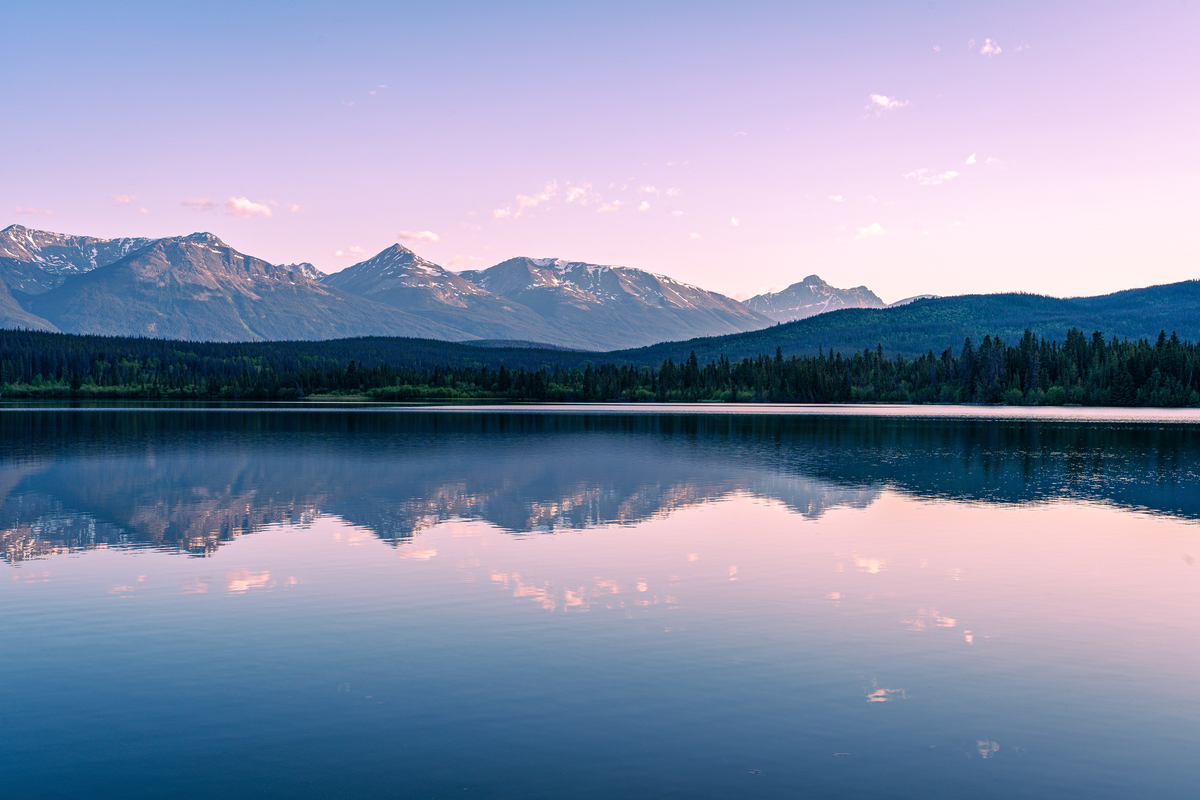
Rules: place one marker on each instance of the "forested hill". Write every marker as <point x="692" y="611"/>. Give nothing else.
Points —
<point x="938" y="323"/>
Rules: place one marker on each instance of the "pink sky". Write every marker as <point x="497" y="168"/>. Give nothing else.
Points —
<point x="911" y="147"/>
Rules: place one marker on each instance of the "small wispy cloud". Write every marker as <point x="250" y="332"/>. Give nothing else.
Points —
<point x="124" y="199"/>
<point x="523" y="202"/>
<point x="928" y="178"/>
<point x="735" y="222"/>
<point x="143" y="211"/>
<point x="246" y="208"/>
<point x="990" y="48"/>
<point x="20" y="210"/>
<point x="837" y="198"/>
<point x="992" y="160"/>
<point x="869" y="231"/>
<point x="880" y="103"/>
<point x="295" y="208"/>
<point x="673" y="192"/>
<point x="418" y="236"/>
<point x="1021" y="47"/>
<point x="647" y="189"/>
<point x="582" y="194"/>
<point x="693" y="236"/>
<point x="677" y="213"/>
<point x="971" y="159"/>
<point x="937" y="48"/>
<point x="644" y="206"/>
<point x="350" y="252"/>
<point x="199" y="204"/>
<point x="615" y="205"/>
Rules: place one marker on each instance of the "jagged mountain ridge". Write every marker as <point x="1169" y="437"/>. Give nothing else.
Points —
<point x="612" y="306"/>
<point x="400" y="278"/>
<point x="33" y="261"/>
<point x="810" y="297"/>
<point x="197" y="287"/>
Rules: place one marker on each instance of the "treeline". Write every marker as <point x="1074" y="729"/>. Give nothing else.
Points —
<point x="1033" y="371"/>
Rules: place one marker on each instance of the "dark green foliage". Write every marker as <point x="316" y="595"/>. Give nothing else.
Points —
<point x="1035" y="371"/>
<point x="943" y="322"/>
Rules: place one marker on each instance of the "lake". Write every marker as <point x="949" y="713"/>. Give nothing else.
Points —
<point x="641" y="602"/>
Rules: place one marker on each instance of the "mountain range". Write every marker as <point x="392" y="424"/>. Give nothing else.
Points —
<point x="196" y="287"/>
<point x="810" y="297"/>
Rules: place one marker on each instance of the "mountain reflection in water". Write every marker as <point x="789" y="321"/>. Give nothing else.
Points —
<point x="191" y="480"/>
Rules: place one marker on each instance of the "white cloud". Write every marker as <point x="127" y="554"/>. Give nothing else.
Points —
<point x="526" y="201"/>
<point x="925" y="178"/>
<point x="199" y="204"/>
<point x="295" y="207"/>
<point x="582" y="194"/>
<point x="874" y="229"/>
<point x="352" y="252"/>
<point x="417" y="236"/>
<point x="734" y="221"/>
<point x="245" y="208"/>
<point x="881" y="102"/>
<point x="676" y="213"/>
<point x="31" y="210"/>
<point x="693" y="236"/>
<point x="1021" y="47"/>
<point x="673" y="193"/>
<point x="992" y="160"/>
<point x="143" y="211"/>
<point x="647" y="190"/>
<point x="971" y="158"/>
<point x="990" y="48"/>
<point x="872" y="198"/>
<point x="837" y="198"/>
<point x="937" y="48"/>
<point x="615" y="205"/>
<point x="643" y="206"/>
<point x="123" y="199"/>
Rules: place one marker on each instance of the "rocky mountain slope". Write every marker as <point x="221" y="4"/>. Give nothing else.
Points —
<point x="400" y="278"/>
<point x="606" y="307"/>
<point x="197" y="287"/>
<point x="810" y="297"/>
<point x="32" y="261"/>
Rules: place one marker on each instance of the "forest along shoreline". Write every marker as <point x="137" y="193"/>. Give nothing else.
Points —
<point x="1081" y="370"/>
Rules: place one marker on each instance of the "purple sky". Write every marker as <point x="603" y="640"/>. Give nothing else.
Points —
<point x="913" y="147"/>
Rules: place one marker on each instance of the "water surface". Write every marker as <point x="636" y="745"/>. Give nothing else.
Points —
<point x="572" y="602"/>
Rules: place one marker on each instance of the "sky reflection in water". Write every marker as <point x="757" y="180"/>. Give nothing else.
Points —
<point x="359" y="604"/>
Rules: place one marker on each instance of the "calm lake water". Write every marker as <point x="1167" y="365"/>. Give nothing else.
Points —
<point x="634" y="603"/>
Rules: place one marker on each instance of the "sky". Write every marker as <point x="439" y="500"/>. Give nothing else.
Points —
<point x="911" y="147"/>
